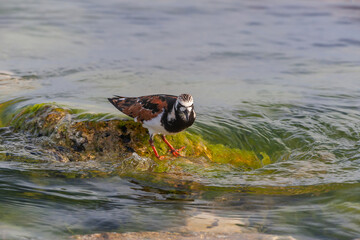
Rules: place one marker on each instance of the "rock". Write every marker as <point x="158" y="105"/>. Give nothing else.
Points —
<point x="180" y="236"/>
<point x="73" y="135"/>
<point x="207" y="222"/>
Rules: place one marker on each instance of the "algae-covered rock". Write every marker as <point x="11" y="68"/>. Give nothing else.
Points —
<point x="74" y="135"/>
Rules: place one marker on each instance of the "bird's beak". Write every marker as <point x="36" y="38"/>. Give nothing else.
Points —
<point x="186" y="115"/>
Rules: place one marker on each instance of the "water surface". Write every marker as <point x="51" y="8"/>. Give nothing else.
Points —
<point x="270" y="76"/>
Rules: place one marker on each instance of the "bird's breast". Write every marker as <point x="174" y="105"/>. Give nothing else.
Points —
<point x="177" y="124"/>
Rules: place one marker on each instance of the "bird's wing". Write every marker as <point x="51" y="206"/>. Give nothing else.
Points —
<point x="145" y="107"/>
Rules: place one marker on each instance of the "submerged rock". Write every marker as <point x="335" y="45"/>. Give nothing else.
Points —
<point x="73" y="135"/>
<point x="180" y="236"/>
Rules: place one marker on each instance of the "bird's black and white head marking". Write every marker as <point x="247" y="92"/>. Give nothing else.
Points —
<point x="184" y="107"/>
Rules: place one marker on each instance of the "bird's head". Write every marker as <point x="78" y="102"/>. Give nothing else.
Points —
<point x="184" y="106"/>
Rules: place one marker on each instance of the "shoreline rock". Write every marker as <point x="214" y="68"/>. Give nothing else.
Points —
<point x="179" y="236"/>
<point x="74" y="135"/>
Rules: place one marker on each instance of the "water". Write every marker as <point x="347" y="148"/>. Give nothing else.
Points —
<point x="270" y="76"/>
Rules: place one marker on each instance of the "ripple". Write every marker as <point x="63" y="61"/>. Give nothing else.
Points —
<point x="350" y="41"/>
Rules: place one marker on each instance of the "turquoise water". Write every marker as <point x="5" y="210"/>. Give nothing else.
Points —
<point x="270" y="76"/>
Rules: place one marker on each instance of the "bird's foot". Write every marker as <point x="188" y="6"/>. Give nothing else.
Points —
<point x="176" y="153"/>
<point x="160" y="157"/>
<point x="155" y="151"/>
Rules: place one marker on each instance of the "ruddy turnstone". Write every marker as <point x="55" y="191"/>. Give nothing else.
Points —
<point x="160" y="114"/>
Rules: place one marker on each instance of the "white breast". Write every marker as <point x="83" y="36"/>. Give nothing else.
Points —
<point x="154" y="125"/>
<point x="171" y="115"/>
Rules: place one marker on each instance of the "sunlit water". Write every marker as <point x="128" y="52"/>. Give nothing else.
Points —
<point x="280" y="77"/>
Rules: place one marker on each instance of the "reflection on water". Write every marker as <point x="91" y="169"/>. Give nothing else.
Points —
<point x="274" y="77"/>
<point x="10" y="84"/>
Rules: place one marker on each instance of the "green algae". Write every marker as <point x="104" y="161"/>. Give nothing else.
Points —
<point x="196" y="146"/>
<point x="7" y="111"/>
<point x="76" y="135"/>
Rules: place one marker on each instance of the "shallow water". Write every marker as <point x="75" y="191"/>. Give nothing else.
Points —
<point x="268" y="76"/>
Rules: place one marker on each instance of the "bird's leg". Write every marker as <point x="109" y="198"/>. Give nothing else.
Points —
<point x="174" y="151"/>
<point x="151" y="141"/>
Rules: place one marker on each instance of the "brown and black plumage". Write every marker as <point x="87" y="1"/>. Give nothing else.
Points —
<point x="160" y="114"/>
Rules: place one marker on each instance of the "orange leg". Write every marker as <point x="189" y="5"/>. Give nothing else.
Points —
<point x="151" y="141"/>
<point x="174" y="151"/>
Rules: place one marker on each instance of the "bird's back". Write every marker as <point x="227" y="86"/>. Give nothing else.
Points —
<point x="144" y="108"/>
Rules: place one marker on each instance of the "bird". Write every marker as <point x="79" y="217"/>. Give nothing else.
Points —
<point x="160" y="113"/>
